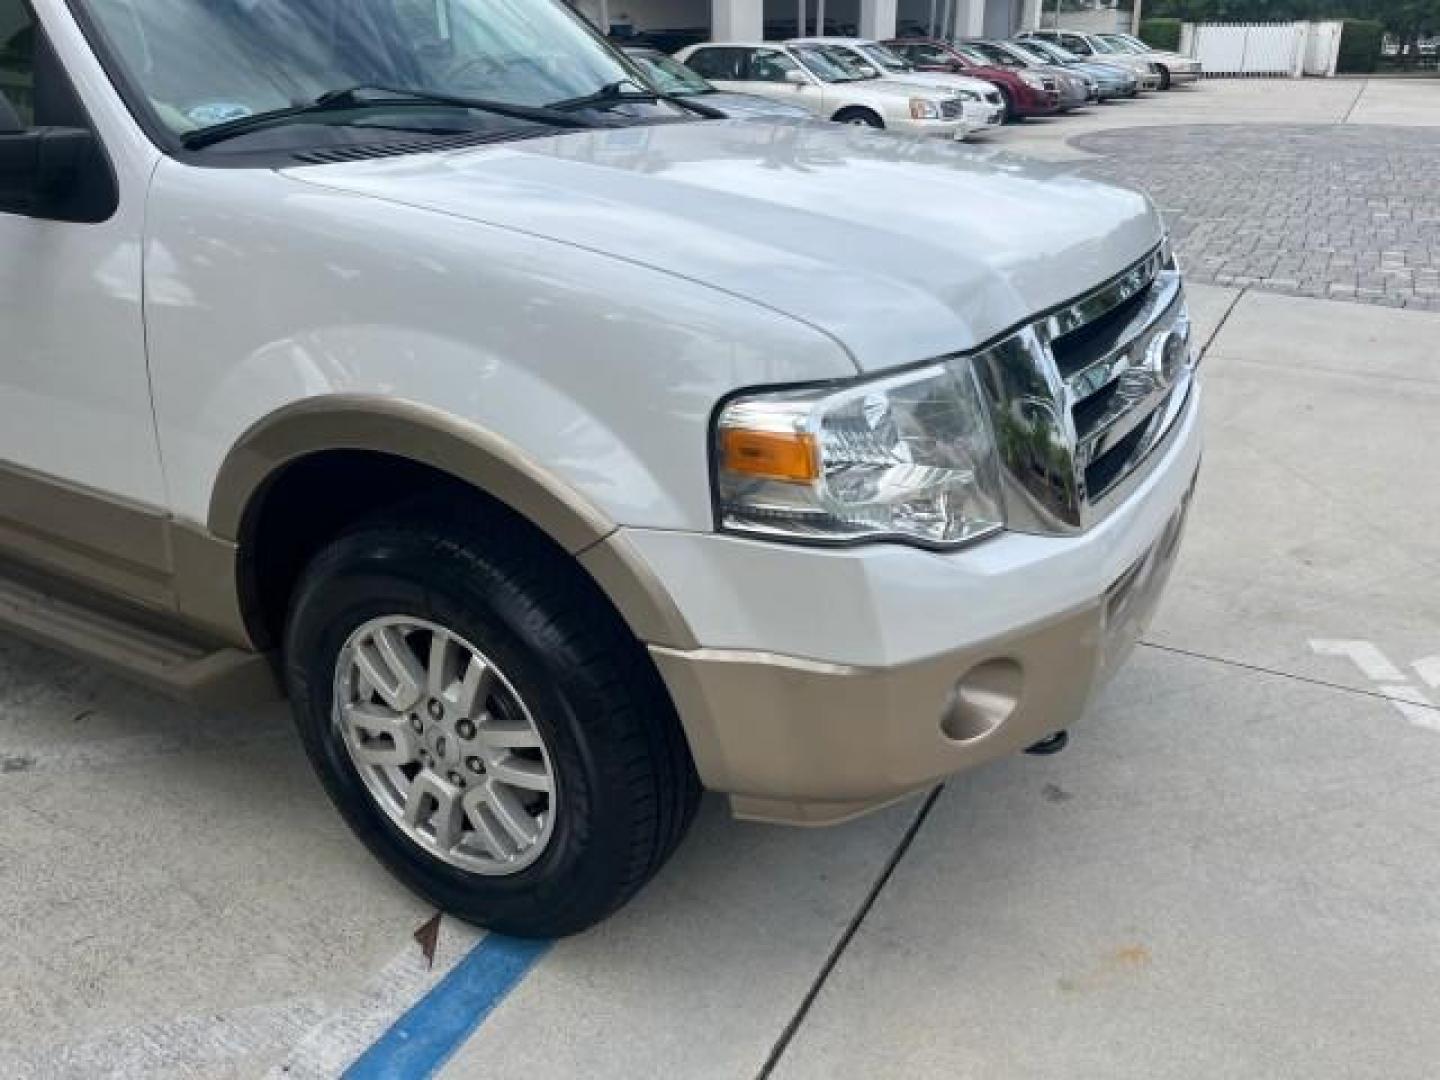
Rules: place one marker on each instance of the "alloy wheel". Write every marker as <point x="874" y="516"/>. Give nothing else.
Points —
<point x="445" y="745"/>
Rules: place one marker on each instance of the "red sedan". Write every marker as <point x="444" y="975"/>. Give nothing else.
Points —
<point x="1025" y="92"/>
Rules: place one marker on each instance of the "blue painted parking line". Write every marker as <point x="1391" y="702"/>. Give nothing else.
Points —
<point x="425" y="1037"/>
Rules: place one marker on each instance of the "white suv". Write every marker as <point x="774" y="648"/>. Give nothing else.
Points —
<point x="556" y="448"/>
<point x="830" y="83"/>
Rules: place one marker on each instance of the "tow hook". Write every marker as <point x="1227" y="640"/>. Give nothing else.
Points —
<point x="1053" y="745"/>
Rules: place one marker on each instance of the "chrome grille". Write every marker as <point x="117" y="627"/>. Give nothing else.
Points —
<point x="1081" y="397"/>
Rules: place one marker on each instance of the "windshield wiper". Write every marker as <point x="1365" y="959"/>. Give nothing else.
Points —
<point x="615" y="94"/>
<point x="356" y="97"/>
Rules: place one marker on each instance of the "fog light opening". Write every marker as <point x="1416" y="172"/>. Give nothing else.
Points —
<point x="982" y="700"/>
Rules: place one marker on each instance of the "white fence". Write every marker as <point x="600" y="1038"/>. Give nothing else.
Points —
<point x="1264" y="49"/>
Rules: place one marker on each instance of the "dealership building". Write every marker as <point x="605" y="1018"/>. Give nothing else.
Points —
<point x="753" y="20"/>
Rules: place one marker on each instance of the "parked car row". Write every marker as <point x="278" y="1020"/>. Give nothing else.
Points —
<point x="924" y="86"/>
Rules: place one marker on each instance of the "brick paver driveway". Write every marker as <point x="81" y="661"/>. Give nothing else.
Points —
<point x="1343" y="212"/>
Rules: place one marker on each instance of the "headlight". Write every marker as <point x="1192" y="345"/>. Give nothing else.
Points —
<point x="922" y="109"/>
<point x="909" y="457"/>
<point x="967" y="95"/>
<point x="1029" y="78"/>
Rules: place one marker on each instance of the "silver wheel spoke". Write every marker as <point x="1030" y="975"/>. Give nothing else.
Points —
<point x="372" y="723"/>
<point x="385" y="659"/>
<point x="491" y="838"/>
<point x="436" y="802"/>
<point x="517" y="772"/>
<point x="475" y="686"/>
<point x="437" y="677"/>
<point x="508" y="735"/>
<point x="513" y="817"/>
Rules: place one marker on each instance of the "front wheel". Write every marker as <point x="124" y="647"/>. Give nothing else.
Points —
<point x="1007" y="107"/>
<point x="486" y="724"/>
<point x="1164" y="77"/>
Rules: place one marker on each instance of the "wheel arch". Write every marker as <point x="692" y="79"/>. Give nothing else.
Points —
<point x="306" y="445"/>
<point x="858" y="110"/>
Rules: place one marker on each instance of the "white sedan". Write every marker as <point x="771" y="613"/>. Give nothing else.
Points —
<point x="983" y="105"/>
<point x="831" y="84"/>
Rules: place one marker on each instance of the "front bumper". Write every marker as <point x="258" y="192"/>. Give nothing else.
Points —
<point x="940" y="129"/>
<point x="980" y="115"/>
<point x="833" y="681"/>
<point x="1192" y="75"/>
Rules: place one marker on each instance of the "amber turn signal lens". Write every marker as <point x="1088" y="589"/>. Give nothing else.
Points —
<point x="770" y="455"/>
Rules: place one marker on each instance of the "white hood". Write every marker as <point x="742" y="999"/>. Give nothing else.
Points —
<point x="899" y="249"/>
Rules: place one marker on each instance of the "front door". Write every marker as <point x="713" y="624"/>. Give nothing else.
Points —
<point x="80" y="480"/>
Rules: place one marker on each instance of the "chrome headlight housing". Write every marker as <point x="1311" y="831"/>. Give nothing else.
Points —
<point x="1030" y="78"/>
<point x="909" y="457"/>
<point x="967" y="95"/>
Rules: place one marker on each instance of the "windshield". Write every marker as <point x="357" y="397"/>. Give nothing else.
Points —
<point x="996" y="55"/>
<point x="830" y="64"/>
<point x="669" y="76"/>
<point x="201" y="63"/>
<point x="886" y="60"/>
<point x="1053" y="51"/>
<point x="1125" y="43"/>
<point x="1032" y="50"/>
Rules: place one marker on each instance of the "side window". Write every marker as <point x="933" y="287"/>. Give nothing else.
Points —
<point x="926" y="54"/>
<point x="714" y="63"/>
<point x="770" y="65"/>
<point x="17" y="66"/>
<point x="1076" y="45"/>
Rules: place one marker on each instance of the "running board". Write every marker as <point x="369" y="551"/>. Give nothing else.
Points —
<point x="217" y="678"/>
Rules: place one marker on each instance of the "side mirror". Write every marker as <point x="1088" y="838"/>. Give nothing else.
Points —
<point x="796" y="78"/>
<point x="39" y="166"/>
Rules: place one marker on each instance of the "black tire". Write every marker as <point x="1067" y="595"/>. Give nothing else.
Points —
<point x="1007" y="105"/>
<point x="1164" y="77"/>
<point x="859" y="118"/>
<point x="628" y="788"/>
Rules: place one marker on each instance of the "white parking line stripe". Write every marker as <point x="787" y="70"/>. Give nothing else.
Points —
<point x="1429" y="670"/>
<point x="318" y="1040"/>
<point x="1372" y="663"/>
<point x="332" y="1044"/>
<point x="182" y="1047"/>
<point x="1413" y="704"/>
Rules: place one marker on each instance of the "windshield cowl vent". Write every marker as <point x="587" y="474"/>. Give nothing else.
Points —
<point x="334" y="155"/>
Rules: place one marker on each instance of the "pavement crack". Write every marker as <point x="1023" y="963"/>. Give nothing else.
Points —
<point x="1224" y="319"/>
<point x="1364" y="85"/>
<point x="822" y="976"/>
<point x="1262" y="670"/>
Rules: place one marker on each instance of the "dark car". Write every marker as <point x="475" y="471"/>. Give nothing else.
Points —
<point x="1112" y="80"/>
<point x="1024" y="93"/>
<point x="1075" y="89"/>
